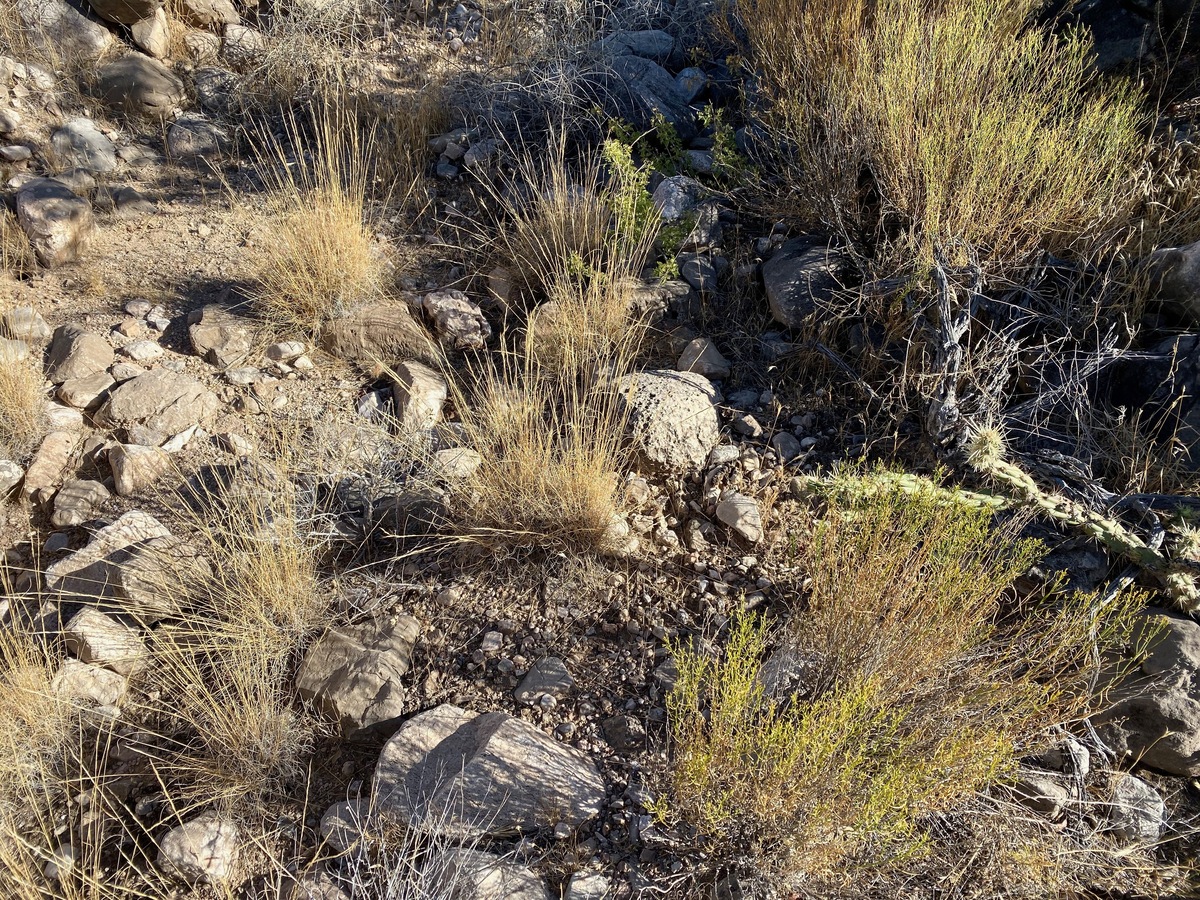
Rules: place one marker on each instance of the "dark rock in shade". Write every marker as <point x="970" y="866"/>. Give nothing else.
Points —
<point x="804" y="272"/>
<point x="125" y="12"/>
<point x="1161" y="384"/>
<point x="649" y="44"/>
<point x="138" y="86"/>
<point x="1177" y="272"/>
<point x="646" y="91"/>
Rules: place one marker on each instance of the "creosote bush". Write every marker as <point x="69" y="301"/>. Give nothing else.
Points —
<point x="923" y="675"/>
<point x="952" y="129"/>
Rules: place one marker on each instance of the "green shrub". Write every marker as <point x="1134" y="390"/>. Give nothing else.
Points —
<point x="924" y="675"/>
<point x="943" y="128"/>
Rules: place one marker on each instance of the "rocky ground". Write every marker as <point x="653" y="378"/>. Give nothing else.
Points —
<point x="508" y="707"/>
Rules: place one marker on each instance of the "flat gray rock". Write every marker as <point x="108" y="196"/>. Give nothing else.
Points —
<point x="162" y="400"/>
<point x="468" y="775"/>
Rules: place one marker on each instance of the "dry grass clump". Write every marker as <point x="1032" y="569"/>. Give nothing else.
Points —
<point x="575" y="243"/>
<point x="951" y="129"/>
<point x="224" y="667"/>
<point x="16" y="256"/>
<point x="323" y="258"/>
<point x="308" y="46"/>
<point x="921" y="681"/>
<point x="545" y="419"/>
<point x="22" y="406"/>
<point x="551" y="450"/>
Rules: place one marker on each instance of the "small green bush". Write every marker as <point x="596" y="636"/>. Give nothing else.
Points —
<point x="925" y="676"/>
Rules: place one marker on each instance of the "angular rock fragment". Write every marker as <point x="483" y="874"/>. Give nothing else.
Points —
<point x="57" y="221"/>
<point x="672" y="420"/>
<point x="356" y="674"/>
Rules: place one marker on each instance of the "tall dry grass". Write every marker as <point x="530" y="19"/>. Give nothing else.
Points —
<point x="16" y="256"/>
<point x="943" y="129"/>
<point x="545" y="418"/>
<point x="224" y="667"/>
<point x="22" y="406"/>
<point x="323" y="259"/>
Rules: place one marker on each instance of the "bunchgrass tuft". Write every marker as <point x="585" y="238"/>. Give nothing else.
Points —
<point x="22" y="406"/>
<point x="322" y="259"/>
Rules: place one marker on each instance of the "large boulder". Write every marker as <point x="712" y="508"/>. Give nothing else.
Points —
<point x="57" y="221"/>
<point x="63" y="29"/>
<point x="1154" y="717"/>
<point x="461" y="774"/>
<point x="356" y="674"/>
<point x="671" y="419"/>
<point x="125" y="12"/>
<point x="161" y="400"/>
<point x="802" y="274"/>
<point x="139" y="86"/>
<point x="79" y="144"/>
